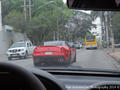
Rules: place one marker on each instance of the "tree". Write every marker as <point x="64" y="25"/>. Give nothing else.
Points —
<point x="47" y="20"/>
<point x="104" y="19"/>
<point x="80" y="24"/>
<point x="44" y="21"/>
<point x="116" y="26"/>
<point x="15" y="19"/>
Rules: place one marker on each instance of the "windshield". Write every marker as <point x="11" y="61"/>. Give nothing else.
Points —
<point x="18" y="45"/>
<point x="90" y="38"/>
<point x="84" y="39"/>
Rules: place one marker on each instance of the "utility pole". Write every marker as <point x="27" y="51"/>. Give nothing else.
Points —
<point x="0" y="17"/>
<point x="30" y="10"/>
<point x="112" y="35"/>
<point x="57" y="30"/>
<point x="25" y="11"/>
<point x="102" y="27"/>
<point x="54" y="35"/>
<point x="25" y="16"/>
<point x="106" y="25"/>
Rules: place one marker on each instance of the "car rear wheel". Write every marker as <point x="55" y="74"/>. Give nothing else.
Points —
<point x="36" y="64"/>
<point x="36" y="61"/>
<point x="69" y="61"/>
<point x="75" y="58"/>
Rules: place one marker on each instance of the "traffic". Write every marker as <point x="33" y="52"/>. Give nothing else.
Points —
<point x="51" y="52"/>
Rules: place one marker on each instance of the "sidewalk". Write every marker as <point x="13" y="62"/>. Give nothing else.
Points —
<point x="115" y="55"/>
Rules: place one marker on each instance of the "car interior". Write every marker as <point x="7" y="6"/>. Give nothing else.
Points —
<point x="14" y="77"/>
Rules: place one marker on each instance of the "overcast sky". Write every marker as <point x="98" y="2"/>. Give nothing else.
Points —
<point x="64" y="1"/>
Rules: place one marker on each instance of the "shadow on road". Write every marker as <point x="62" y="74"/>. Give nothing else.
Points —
<point x="56" y="65"/>
<point x="14" y="59"/>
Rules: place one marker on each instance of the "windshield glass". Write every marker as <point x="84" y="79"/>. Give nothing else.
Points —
<point x="18" y="45"/>
<point x="91" y="38"/>
<point x="54" y="43"/>
<point x="84" y="39"/>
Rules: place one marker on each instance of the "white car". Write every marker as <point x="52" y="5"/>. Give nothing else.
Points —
<point x="78" y="45"/>
<point x="20" y="49"/>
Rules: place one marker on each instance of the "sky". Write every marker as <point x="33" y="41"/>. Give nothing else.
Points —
<point x="64" y="1"/>
<point x="98" y="29"/>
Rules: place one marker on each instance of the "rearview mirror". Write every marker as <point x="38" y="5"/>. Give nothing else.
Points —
<point x="94" y="4"/>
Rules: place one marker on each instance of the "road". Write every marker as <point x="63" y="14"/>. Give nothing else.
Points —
<point x="95" y="59"/>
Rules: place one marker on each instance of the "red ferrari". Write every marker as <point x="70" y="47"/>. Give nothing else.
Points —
<point x="53" y="52"/>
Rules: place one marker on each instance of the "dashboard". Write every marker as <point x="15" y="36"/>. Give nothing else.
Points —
<point x="84" y="81"/>
<point x="63" y="80"/>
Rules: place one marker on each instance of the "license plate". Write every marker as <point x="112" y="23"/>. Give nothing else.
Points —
<point x="48" y="53"/>
<point x="14" y="54"/>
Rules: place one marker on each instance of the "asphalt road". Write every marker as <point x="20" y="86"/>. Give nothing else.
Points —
<point x="94" y="59"/>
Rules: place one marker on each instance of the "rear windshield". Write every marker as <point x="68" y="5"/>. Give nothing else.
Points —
<point x="56" y="43"/>
<point x="90" y="38"/>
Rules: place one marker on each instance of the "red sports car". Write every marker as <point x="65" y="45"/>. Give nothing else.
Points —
<point x="53" y="52"/>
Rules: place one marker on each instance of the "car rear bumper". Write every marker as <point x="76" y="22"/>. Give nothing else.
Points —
<point x="52" y="54"/>
<point x="48" y="60"/>
<point x="91" y="46"/>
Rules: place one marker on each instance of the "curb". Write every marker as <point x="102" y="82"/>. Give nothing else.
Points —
<point x="114" y="58"/>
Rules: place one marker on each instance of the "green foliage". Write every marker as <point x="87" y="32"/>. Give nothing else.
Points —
<point x="47" y="19"/>
<point x="116" y="26"/>
<point x="115" y="16"/>
<point x="15" y="19"/>
<point x="83" y="24"/>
